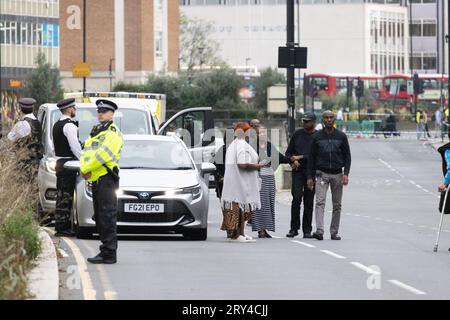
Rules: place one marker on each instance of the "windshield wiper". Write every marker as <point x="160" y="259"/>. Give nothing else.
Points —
<point x="182" y="168"/>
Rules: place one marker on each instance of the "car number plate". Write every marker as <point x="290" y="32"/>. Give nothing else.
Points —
<point x="144" y="207"/>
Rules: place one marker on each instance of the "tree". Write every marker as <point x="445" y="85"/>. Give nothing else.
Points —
<point x="268" y="78"/>
<point x="44" y="83"/>
<point x="197" y="49"/>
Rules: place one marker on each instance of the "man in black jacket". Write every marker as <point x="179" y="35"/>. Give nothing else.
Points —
<point x="330" y="153"/>
<point x="298" y="152"/>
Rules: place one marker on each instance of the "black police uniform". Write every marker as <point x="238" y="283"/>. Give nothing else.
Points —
<point x="30" y="147"/>
<point x="65" y="179"/>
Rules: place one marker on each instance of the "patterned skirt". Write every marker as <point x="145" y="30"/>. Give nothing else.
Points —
<point x="232" y="217"/>
<point x="264" y="218"/>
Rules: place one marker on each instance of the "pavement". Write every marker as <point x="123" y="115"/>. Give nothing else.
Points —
<point x="43" y="279"/>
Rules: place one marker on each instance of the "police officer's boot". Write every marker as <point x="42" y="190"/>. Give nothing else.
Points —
<point x="101" y="258"/>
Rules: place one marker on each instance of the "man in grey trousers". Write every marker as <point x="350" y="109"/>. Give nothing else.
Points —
<point x="329" y="165"/>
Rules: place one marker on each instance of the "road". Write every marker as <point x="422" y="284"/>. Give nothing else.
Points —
<point x="388" y="229"/>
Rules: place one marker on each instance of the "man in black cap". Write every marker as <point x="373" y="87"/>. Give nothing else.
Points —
<point x="67" y="147"/>
<point x="99" y="164"/>
<point x="26" y="134"/>
<point x="298" y="152"/>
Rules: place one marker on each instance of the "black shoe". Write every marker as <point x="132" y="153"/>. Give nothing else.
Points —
<point x="65" y="233"/>
<point x="307" y="236"/>
<point x="335" y="237"/>
<point x="292" y="233"/>
<point x="317" y="236"/>
<point x="99" y="259"/>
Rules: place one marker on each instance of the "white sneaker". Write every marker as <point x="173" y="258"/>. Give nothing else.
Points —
<point x="248" y="237"/>
<point x="244" y="239"/>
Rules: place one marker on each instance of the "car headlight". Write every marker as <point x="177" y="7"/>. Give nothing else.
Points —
<point x="50" y="165"/>
<point x="195" y="192"/>
<point x="88" y="188"/>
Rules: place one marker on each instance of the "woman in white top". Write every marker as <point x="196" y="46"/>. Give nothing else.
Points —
<point x="241" y="185"/>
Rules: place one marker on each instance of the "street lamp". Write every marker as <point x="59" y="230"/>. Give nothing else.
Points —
<point x="110" y="73"/>
<point x="246" y="61"/>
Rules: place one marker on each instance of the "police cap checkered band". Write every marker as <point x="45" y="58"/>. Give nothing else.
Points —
<point x="66" y="103"/>
<point x="106" y="104"/>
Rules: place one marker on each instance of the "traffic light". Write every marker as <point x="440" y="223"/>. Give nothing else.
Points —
<point x="349" y="87"/>
<point x="315" y="89"/>
<point x="418" y="84"/>
<point x="359" y="90"/>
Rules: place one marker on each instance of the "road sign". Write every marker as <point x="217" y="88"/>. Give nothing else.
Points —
<point x="410" y="87"/>
<point x="81" y="70"/>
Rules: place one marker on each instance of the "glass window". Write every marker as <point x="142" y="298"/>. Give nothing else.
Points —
<point x="429" y="1"/>
<point x="2" y="31"/>
<point x="416" y="62"/>
<point x="13" y="28"/>
<point x="155" y="155"/>
<point x="23" y="33"/>
<point x="415" y="29"/>
<point x="7" y="32"/>
<point x="39" y="34"/>
<point x="159" y="44"/>
<point x="429" y="62"/>
<point x="429" y="28"/>
<point x="129" y="121"/>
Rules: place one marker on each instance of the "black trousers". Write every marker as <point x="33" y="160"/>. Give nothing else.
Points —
<point x="65" y="185"/>
<point x="301" y="192"/>
<point x="105" y="213"/>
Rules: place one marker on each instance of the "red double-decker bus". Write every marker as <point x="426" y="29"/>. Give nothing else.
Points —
<point x="395" y="88"/>
<point x="334" y="83"/>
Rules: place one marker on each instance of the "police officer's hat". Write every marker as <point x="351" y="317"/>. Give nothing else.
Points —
<point x="27" y="104"/>
<point x="106" y="104"/>
<point x="66" y="103"/>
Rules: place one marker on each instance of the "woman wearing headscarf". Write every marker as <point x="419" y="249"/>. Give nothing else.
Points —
<point x="240" y="194"/>
<point x="264" y="219"/>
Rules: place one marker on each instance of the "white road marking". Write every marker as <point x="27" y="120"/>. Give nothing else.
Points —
<point x="276" y="237"/>
<point x="63" y="253"/>
<point x="111" y="295"/>
<point x="390" y="167"/>
<point x="357" y="215"/>
<point x="304" y="244"/>
<point x="378" y="219"/>
<point x="398" y="221"/>
<point x="421" y="226"/>
<point x="411" y="224"/>
<point x="364" y="268"/>
<point x="88" y="289"/>
<point x="406" y="287"/>
<point x="330" y="253"/>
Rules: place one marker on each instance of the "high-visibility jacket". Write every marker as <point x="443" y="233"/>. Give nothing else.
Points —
<point x="101" y="149"/>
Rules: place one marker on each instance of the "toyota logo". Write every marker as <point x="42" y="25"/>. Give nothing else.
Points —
<point x="144" y="195"/>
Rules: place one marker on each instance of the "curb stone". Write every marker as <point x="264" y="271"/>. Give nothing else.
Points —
<point x="43" y="280"/>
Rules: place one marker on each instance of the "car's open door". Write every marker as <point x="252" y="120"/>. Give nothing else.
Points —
<point x="195" y="126"/>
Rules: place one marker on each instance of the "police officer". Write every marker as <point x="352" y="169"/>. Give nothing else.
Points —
<point x="99" y="164"/>
<point x="67" y="147"/>
<point x="26" y="134"/>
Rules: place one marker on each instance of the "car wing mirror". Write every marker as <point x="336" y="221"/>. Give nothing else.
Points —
<point x="72" y="165"/>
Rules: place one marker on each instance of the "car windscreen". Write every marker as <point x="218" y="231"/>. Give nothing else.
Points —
<point x="129" y="121"/>
<point x="157" y="155"/>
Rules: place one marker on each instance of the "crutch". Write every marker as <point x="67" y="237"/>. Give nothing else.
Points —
<point x="440" y="221"/>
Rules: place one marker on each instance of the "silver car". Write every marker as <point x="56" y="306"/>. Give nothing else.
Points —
<point x="161" y="190"/>
<point x="131" y="119"/>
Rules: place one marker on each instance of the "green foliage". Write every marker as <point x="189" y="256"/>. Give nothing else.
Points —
<point x="44" y="84"/>
<point x="218" y="88"/>
<point x="196" y="47"/>
<point x="22" y="227"/>
<point x="268" y="78"/>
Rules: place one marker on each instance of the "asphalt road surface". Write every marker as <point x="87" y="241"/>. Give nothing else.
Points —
<point x="388" y="229"/>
